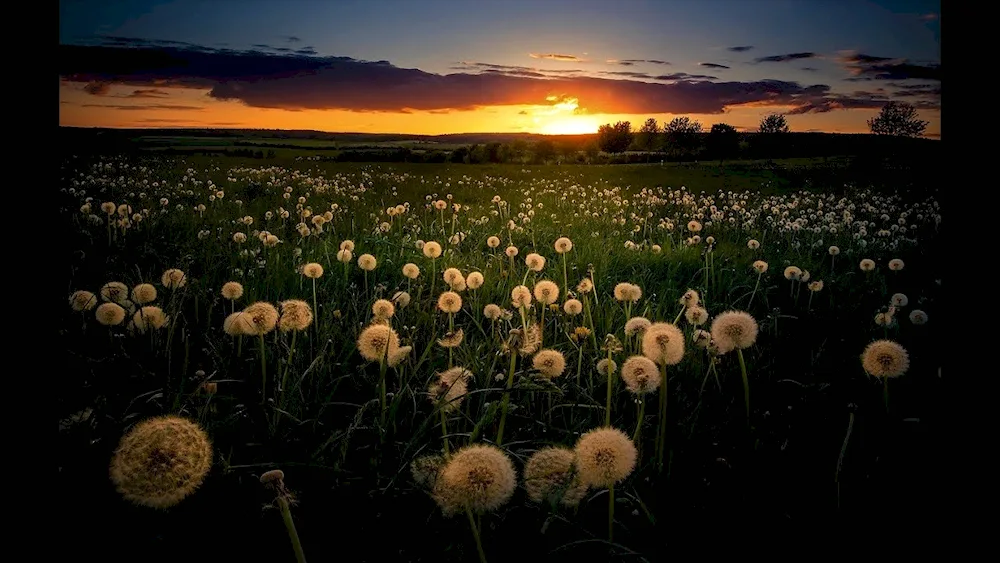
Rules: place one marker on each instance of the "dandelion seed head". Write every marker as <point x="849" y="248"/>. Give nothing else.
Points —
<point x="161" y="461"/>
<point x="535" y="262"/>
<point x="82" y="300"/>
<point x="312" y="270"/>
<point x="636" y="325"/>
<point x="295" y="315"/>
<point x="550" y="475"/>
<point x="604" y="457"/>
<point x="546" y="292"/>
<point x="263" y="317"/>
<point x="432" y="249"/>
<point x="734" y="330"/>
<point x="479" y="477"/>
<point x="115" y="292"/>
<point x="367" y="262"/>
<point x="232" y="290"/>
<point x="149" y="317"/>
<point x="640" y="375"/>
<point x="572" y="307"/>
<point x="110" y="314"/>
<point x="450" y="302"/>
<point x="550" y="363"/>
<point x="492" y="312"/>
<point x="474" y="280"/>
<point x="144" y="293"/>
<point x="411" y="271"/>
<point x="563" y="245"/>
<point x="663" y="343"/>
<point x="173" y="279"/>
<point x="376" y="340"/>
<point x="760" y="266"/>
<point x="885" y="358"/>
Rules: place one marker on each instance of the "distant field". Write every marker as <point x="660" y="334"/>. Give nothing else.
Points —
<point x="321" y="144"/>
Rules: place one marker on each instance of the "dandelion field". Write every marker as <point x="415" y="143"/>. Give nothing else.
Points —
<point x="407" y="347"/>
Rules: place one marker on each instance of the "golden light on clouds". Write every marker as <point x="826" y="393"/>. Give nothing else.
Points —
<point x="132" y="107"/>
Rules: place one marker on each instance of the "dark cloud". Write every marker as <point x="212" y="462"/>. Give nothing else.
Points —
<point x="862" y="66"/>
<point x="299" y="82"/>
<point x="292" y="39"/>
<point x="916" y="90"/>
<point x="306" y="51"/>
<point x="633" y="62"/>
<point x="629" y="73"/>
<point x="97" y="88"/>
<point x="684" y="76"/>
<point x="149" y="93"/>
<point x="556" y="57"/>
<point x="161" y="120"/>
<point x="713" y="65"/>
<point x="785" y="58"/>
<point x="741" y="49"/>
<point x="809" y="69"/>
<point x="144" y="107"/>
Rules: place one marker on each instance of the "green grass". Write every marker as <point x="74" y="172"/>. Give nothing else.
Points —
<point x="723" y="475"/>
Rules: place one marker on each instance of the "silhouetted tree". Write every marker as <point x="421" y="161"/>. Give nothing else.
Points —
<point x="682" y="136"/>
<point x="723" y="141"/>
<point x="615" y="138"/>
<point x="648" y="135"/>
<point x="544" y="150"/>
<point x="898" y="119"/>
<point x="493" y="152"/>
<point x="591" y="150"/>
<point x="773" y="123"/>
<point x="459" y="155"/>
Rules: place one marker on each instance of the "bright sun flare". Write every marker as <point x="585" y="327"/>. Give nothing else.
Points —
<point x="561" y="118"/>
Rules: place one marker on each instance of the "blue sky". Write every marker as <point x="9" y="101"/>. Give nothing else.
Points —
<point x="435" y="35"/>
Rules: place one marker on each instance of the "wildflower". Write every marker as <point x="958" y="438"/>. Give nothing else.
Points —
<point x="546" y="292"/>
<point x="432" y="249"/>
<point x="760" y="266"/>
<point x="312" y="270"/>
<point x="753" y="244"/>
<point x="161" y="461"/>
<point x="628" y="292"/>
<point x="535" y="262"/>
<point x="232" y="290"/>
<point x="474" y="280"/>
<point x="173" y="279"/>
<point x="401" y="298"/>
<point x="450" y="302"/>
<point x="663" y="343"/>
<point x="493" y="242"/>
<point x="918" y="317"/>
<point x="344" y="256"/>
<point x="411" y="271"/>
<point x="572" y="307"/>
<point x="295" y="315"/>
<point x="636" y="325"/>
<point x="550" y="474"/>
<point x="640" y="375"/>
<point x="606" y="367"/>
<point x="82" y="300"/>
<point x="144" y="293"/>
<point x="479" y="478"/>
<point x="367" y="262"/>
<point x="885" y="358"/>
<point x="520" y="296"/>
<point x="895" y="264"/>
<point x="793" y="273"/>
<point x="492" y="312"/>
<point x="452" y="339"/>
<point x="815" y="286"/>
<point x="867" y="265"/>
<point x="690" y="298"/>
<point x="150" y="317"/>
<point x="116" y="292"/>
<point x="263" y="317"/>
<point x="238" y="324"/>
<point x="605" y="456"/>
<point x="110" y="314"/>
<point x="563" y="245"/>
<point x="734" y="330"/>
<point x="550" y="363"/>
<point x="376" y="340"/>
<point x="899" y="300"/>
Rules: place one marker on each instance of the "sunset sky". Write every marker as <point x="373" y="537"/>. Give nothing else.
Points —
<point x="464" y="66"/>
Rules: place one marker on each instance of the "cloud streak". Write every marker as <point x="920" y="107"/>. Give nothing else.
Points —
<point x="556" y="57"/>
<point x="740" y="49"/>
<point x="785" y="58"/>
<point x="298" y="82"/>
<point x="633" y="62"/>
<point x="713" y="65"/>
<point x="870" y="67"/>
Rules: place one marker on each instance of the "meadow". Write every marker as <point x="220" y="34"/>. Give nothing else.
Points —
<point x="490" y="363"/>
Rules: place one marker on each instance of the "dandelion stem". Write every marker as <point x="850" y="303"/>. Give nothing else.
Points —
<point x="444" y="430"/>
<point x="284" y="380"/>
<point x="638" y="424"/>
<point x="746" y="382"/>
<point x="381" y="377"/>
<point x="565" y="277"/>
<point x="506" y="395"/>
<point x="611" y="512"/>
<point x="843" y="452"/>
<point x="662" y="434"/>
<point x="263" y="372"/>
<point x="286" y="515"/>
<point x="607" y="409"/>
<point x="315" y="311"/>
<point x="678" y="317"/>
<point x="754" y="292"/>
<point x="475" y="534"/>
